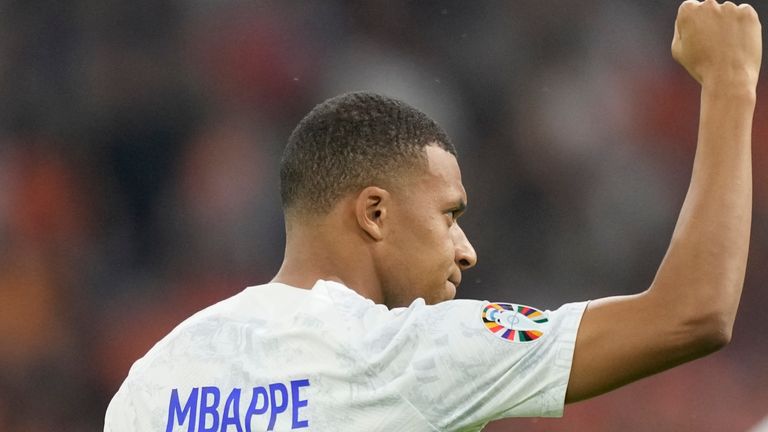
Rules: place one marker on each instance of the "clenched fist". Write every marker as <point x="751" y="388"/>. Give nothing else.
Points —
<point x="718" y="43"/>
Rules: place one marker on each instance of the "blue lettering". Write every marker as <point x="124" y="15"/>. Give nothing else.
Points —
<point x="203" y="411"/>
<point x="252" y="410"/>
<point x="298" y="403"/>
<point x="232" y="411"/>
<point x="277" y="409"/>
<point x="206" y="409"/>
<point x="175" y="410"/>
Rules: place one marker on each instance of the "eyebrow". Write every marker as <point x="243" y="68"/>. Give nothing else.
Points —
<point x="460" y="207"/>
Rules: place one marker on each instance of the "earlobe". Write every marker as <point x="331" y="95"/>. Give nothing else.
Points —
<point x="371" y="211"/>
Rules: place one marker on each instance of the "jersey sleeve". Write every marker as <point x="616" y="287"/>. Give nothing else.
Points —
<point x="464" y="363"/>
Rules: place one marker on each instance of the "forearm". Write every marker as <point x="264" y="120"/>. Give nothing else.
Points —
<point x="703" y="271"/>
<point x="699" y="282"/>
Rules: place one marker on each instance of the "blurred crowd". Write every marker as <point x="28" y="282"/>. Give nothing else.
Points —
<point x="139" y="151"/>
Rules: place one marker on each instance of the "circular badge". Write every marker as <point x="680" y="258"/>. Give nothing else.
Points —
<point x="515" y="323"/>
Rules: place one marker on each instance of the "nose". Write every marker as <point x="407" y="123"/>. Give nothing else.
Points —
<point x="466" y="258"/>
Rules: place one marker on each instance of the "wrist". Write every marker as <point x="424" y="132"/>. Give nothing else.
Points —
<point x="735" y="91"/>
<point x="738" y="83"/>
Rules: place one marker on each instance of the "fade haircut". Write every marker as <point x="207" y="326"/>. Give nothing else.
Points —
<point x="350" y="142"/>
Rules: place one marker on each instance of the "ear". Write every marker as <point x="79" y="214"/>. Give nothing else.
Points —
<point x="371" y="211"/>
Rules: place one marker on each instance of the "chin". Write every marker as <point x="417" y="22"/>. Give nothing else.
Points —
<point x="447" y="293"/>
<point x="451" y="291"/>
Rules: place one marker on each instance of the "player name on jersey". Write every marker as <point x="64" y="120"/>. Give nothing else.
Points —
<point x="208" y="409"/>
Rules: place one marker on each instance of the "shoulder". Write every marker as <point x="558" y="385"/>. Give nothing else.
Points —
<point x="210" y="329"/>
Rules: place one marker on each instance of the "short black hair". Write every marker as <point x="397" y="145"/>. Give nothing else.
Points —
<point x="350" y="142"/>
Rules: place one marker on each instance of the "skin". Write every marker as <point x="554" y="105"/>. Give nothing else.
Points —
<point x="399" y="243"/>
<point x="392" y="245"/>
<point x="698" y="285"/>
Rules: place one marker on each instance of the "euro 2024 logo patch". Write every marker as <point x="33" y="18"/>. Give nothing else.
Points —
<point x="515" y="323"/>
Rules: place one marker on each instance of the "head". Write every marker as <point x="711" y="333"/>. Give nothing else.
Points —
<point x="390" y="175"/>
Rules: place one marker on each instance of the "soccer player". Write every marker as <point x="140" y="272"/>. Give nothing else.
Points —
<point x="358" y="330"/>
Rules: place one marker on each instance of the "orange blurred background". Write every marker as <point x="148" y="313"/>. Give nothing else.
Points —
<point x="140" y="141"/>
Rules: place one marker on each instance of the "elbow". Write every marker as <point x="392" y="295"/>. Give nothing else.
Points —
<point x="709" y="333"/>
<point x="716" y="339"/>
<point x="702" y="327"/>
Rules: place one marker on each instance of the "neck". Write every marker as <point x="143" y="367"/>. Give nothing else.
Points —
<point x="328" y="250"/>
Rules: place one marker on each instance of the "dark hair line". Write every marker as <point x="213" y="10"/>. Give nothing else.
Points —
<point x="352" y="141"/>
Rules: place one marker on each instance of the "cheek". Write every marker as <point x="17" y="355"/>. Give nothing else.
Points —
<point x="436" y="256"/>
<point x="433" y="243"/>
<point x="420" y="255"/>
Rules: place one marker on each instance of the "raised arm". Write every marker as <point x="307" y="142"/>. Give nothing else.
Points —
<point x="691" y="305"/>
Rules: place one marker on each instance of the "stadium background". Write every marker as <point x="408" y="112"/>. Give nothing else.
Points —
<point x="139" y="145"/>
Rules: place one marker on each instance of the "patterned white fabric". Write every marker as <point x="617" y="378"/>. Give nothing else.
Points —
<point x="275" y="357"/>
<point x="760" y="427"/>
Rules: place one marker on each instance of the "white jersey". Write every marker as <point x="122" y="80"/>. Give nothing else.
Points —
<point x="275" y="357"/>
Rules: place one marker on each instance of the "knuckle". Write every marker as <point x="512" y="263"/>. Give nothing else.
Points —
<point x="746" y="13"/>
<point x="687" y="5"/>
<point x="747" y="10"/>
<point x="685" y="11"/>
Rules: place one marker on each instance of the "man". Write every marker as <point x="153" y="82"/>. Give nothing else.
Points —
<point x="358" y="331"/>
